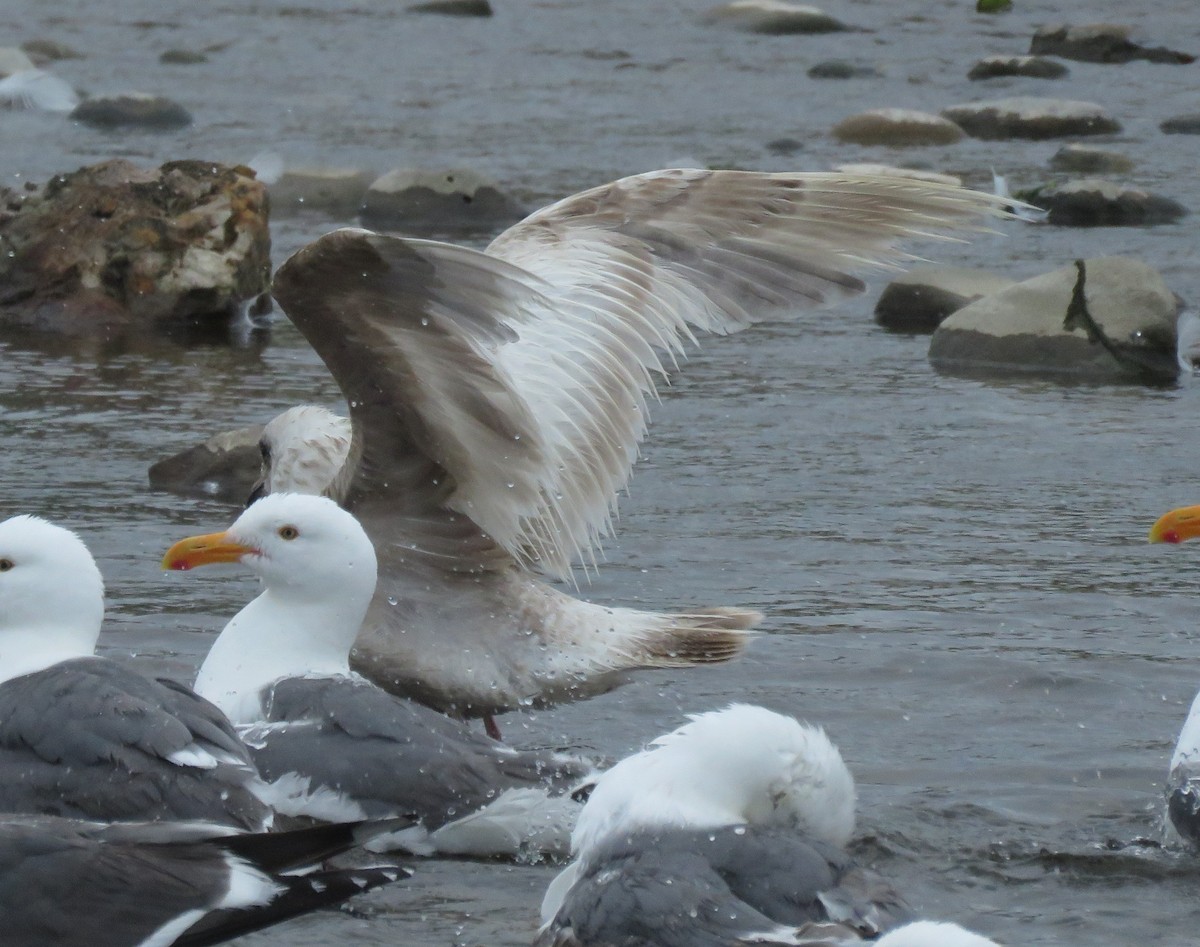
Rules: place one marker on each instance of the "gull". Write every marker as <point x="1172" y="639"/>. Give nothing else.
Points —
<point x="335" y="746"/>
<point x="89" y="737"/>
<point x="498" y="399"/>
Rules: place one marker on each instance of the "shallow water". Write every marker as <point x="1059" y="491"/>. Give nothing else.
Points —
<point x="954" y="571"/>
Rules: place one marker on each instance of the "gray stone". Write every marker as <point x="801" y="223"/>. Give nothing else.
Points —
<point x="1083" y="159"/>
<point x="13" y="60"/>
<point x="114" y="248"/>
<point x="226" y="466"/>
<point x="338" y="192"/>
<point x="922" y="298"/>
<point x="42" y="51"/>
<point x="840" y="69"/>
<point x="1094" y="202"/>
<point x="138" y="109"/>
<point x="1020" y="330"/>
<point x="1099" y="42"/>
<point x="776" y="17"/>
<point x="182" y="57"/>
<point x="897" y="128"/>
<point x="1031" y="117"/>
<point x="451" y="201"/>
<point x="1034" y="67"/>
<point x="1182" y="125"/>
<point x="454" y="7"/>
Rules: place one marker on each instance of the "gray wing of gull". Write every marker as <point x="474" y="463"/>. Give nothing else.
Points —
<point x="704" y="888"/>
<point x="91" y="738"/>
<point x="390" y="755"/>
<point x="68" y="882"/>
<point x="511" y="387"/>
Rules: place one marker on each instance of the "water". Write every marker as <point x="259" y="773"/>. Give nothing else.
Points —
<point x="954" y="571"/>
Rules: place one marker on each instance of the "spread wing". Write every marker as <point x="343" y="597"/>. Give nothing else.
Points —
<point x="512" y="386"/>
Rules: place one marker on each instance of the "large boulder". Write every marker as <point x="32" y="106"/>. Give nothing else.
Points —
<point x="132" y="109"/>
<point x="1099" y="42"/>
<point x="921" y="299"/>
<point x="226" y="466"/>
<point x="114" y="247"/>
<point x="1094" y="202"/>
<point x="898" y="128"/>
<point x="1114" y="320"/>
<point x="452" y="201"/>
<point x="1031" y="117"/>
<point x="773" y="16"/>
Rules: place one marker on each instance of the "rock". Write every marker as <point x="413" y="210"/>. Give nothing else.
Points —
<point x="840" y="69"/>
<point x="922" y="298"/>
<point x="1182" y="125"/>
<point x="916" y="174"/>
<point x="453" y="201"/>
<point x="226" y="466"/>
<point x="776" y="17"/>
<point x="182" y="57"/>
<point x="13" y="60"/>
<point x="454" y="7"/>
<point x="1034" y="67"/>
<point x="136" y="108"/>
<point x="115" y="248"/>
<point x="784" y="146"/>
<point x="1021" y="329"/>
<point x="1031" y="117"/>
<point x="1099" y="42"/>
<point x="338" y="192"/>
<point x="897" y="128"/>
<point x="42" y="51"/>
<point x="993" y="6"/>
<point x="1093" y="202"/>
<point x="1085" y="160"/>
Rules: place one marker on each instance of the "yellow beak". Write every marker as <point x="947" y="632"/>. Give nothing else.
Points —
<point x="204" y="550"/>
<point x="1177" y="526"/>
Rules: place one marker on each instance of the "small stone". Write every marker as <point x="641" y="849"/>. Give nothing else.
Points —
<point x="784" y="146"/>
<point x="1099" y="42"/>
<point x="840" y="69"/>
<point x="47" y="50"/>
<point x="1093" y="202"/>
<point x="454" y="7"/>
<point x="922" y="298"/>
<point x="993" y="6"/>
<point x="182" y="57"/>
<point x="1034" y="67"/>
<point x="897" y="128"/>
<point x="1031" y="117"/>
<point x="226" y="467"/>
<point x="1182" y="125"/>
<point x="1082" y="159"/>
<point x="134" y="109"/>
<point x="775" y="17"/>
<point x="451" y="201"/>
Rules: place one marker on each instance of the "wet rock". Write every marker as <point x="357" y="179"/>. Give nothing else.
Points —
<point x="1031" y="117"/>
<point x="1082" y="159"/>
<point x="114" y="248"/>
<point x="1099" y="42"/>
<point x="1093" y="202"/>
<point x="775" y="17"/>
<point x="922" y="298"/>
<point x="226" y="466"/>
<point x="13" y="60"/>
<point x="993" y="6"/>
<point x="454" y="7"/>
<point x="1182" y="125"/>
<point x="134" y="109"/>
<point x="456" y="200"/>
<point x="182" y="57"/>
<point x="42" y="51"/>
<point x="784" y="146"/>
<point x="1128" y="333"/>
<point x="897" y="128"/>
<point x="338" y="192"/>
<point x="840" y="69"/>
<point x="1034" y="67"/>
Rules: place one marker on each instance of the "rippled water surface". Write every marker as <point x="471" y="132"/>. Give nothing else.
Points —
<point x="954" y="571"/>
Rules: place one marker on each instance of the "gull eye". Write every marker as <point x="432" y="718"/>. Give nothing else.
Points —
<point x="7" y="565"/>
<point x="288" y="532"/>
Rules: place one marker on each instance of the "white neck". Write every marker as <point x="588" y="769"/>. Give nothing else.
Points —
<point x="29" y="650"/>
<point x="271" y="639"/>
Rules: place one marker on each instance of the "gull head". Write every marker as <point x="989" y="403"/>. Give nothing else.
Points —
<point x="744" y="765"/>
<point x="306" y="545"/>
<point x="304" y="450"/>
<point x="51" y="595"/>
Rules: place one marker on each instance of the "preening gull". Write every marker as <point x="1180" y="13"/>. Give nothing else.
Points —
<point x="730" y="829"/>
<point x="88" y="737"/>
<point x="344" y="747"/>
<point x="1183" y="775"/>
<point x="69" y="883"/>
<point x="498" y="399"/>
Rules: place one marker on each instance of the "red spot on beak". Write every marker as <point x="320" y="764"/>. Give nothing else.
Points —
<point x="1170" y="536"/>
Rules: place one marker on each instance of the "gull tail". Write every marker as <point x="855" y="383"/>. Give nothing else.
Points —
<point x="704" y="636"/>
